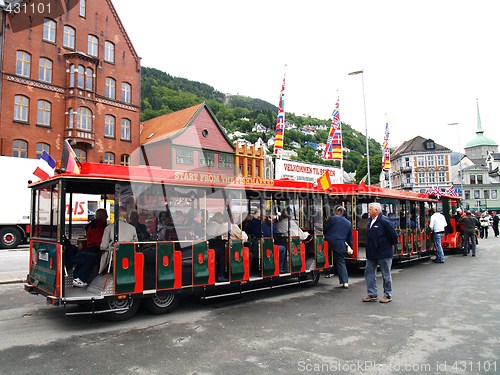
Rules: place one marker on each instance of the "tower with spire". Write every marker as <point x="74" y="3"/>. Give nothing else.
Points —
<point x="477" y="148"/>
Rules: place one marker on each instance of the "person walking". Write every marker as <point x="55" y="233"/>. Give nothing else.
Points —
<point x="471" y="224"/>
<point x="485" y="224"/>
<point x="380" y="239"/>
<point x="496" y="219"/>
<point x="438" y="224"/>
<point x="338" y="233"/>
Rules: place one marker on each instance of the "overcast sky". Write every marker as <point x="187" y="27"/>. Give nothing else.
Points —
<point x="425" y="62"/>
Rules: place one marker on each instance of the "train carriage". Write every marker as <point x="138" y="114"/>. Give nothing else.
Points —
<point x="177" y="259"/>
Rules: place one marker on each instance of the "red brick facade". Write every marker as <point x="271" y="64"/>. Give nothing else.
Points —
<point x="78" y="83"/>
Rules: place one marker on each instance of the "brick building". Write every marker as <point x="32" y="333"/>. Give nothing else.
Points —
<point x="189" y="139"/>
<point x="68" y="72"/>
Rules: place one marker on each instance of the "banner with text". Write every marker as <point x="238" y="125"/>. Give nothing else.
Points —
<point x="305" y="172"/>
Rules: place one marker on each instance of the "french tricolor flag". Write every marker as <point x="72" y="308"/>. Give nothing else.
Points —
<point x="46" y="167"/>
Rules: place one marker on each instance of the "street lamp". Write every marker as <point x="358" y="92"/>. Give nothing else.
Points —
<point x="460" y="162"/>
<point x="366" y="123"/>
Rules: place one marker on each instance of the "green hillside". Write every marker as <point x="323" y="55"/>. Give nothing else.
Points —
<point x="162" y="93"/>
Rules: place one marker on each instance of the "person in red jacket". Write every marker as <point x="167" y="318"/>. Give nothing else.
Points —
<point x="95" y="230"/>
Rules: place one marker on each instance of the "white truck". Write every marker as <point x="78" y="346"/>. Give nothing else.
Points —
<point x="15" y="202"/>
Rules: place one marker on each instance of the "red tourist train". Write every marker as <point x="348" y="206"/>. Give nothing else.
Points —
<point x="176" y="258"/>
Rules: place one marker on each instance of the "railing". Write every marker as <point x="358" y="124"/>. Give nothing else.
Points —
<point x="80" y="136"/>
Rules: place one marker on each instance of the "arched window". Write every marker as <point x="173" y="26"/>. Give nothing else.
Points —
<point x="109" y="51"/>
<point x="81" y="155"/>
<point x="81" y="77"/>
<point x="110" y="88"/>
<point x="89" y="79"/>
<point x="126" y="92"/>
<point x="49" y="30"/>
<point x="109" y="126"/>
<point x="21" y="108"/>
<point x="23" y="63"/>
<point x="125" y="129"/>
<point x="109" y="158"/>
<point x="45" y="70"/>
<point x="43" y="113"/>
<point x="69" y="37"/>
<point x="71" y="118"/>
<point x="40" y="148"/>
<point x="19" y="148"/>
<point x="92" y="45"/>
<point x="84" y="119"/>
<point x="125" y="160"/>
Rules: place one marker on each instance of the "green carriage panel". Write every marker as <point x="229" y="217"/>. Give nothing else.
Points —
<point x="43" y="270"/>
<point x="319" y="251"/>
<point x="237" y="264"/>
<point x="165" y="265"/>
<point x="268" y="256"/>
<point x="295" y="255"/>
<point x="125" y="268"/>
<point x="200" y="263"/>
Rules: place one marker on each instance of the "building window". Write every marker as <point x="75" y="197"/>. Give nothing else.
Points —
<point x="441" y="177"/>
<point x="84" y="119"/>
<point x="407" y="162"/>
<point x="89" y="79"/>
<point x="467" y="194"/>
<point x="23" y="63"/>
<point x="21" y="108"/>
<point x="493" y="194"/>
<point x="109" y="52"/>
<point x="125" y="160"/>
<point x="125" y="129"/>
<point x="109" y="126"/>
<point x="486" y="194"/>
<point x="479" y="179"/>
<point x="40" y="148"/>
<point x="184" y="155"/>
<point x="110" y="88"/>
<point x="225" y="161"/>
<point x="109" y="158"/>
<point x="92" y="45"/>
<point x="43" y="113"/>
<point x="126" y="92"/>
<point x="477" y="194"/>
<point x="421" y="177"/>
<point x="49" y="30"/>
<point x="19" y="148"/>
<point x="420" y="161"/>
<point x="81" y="77"/>
<point x="429" y="144"/>
<point x="81" y="155"/>
<point x="472" y="179"/>
<point x="206" y="158"/>
<point x="71" y="118"/>
<point x="432" y="178"/>
<point x="440" y="160"/>
<point x="430" y="160"/>
<point x="71" y="75"/>
<point x="45" y="70"/>
<point x="83" y="8"/>
<point x="69" y="37"/>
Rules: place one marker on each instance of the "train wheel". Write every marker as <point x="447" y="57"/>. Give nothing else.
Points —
<point x="10" y="238"/>
<point x="162" y="303"/>
<point x="312" y="279"/>
<point x="131" y="304"/>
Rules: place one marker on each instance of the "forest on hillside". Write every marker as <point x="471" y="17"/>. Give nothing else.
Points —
<point x="162" y="93"/>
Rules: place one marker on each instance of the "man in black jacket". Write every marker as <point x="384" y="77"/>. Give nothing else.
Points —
<point x="380" y="239"/>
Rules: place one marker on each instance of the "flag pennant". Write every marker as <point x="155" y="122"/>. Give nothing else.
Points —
<point x="45" y="169"/>
<point x="325" y="181"/>
<point x="333" y="149"/>
<point x="280" y="122"/>
<point x="434" y="190"/>
<point x="69" y="160"/>
<point x="452" y="191"/>
<point x="386" y="153"/>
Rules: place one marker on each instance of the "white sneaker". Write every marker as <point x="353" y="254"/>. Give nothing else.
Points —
<point x="79" y="283"/>
<point x="345" y="286"/>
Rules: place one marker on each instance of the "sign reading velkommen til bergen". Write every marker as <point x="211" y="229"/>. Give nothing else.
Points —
<point x="305" y="172"/>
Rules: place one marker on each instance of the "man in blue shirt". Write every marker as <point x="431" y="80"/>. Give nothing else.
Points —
<point x="338" y="232"/>
<point x="380" y="239"/>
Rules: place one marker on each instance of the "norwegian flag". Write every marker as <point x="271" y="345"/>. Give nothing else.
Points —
<point x="452" y="191"/>
<point x="433" y="190"/>
<point x="386" y="153"/>
<point x="280" y="122"/>
<point x="333" y="149"/>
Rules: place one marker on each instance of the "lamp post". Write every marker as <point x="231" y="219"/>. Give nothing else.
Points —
<point x="366" y="123"/>
<point x="460" y="161"/>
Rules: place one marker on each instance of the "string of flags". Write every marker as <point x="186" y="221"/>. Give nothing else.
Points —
<point x="333" y="149"/>
<point x="434" y="190"/>
<point x="280" y="122"/>
<point x="386" y="152"/>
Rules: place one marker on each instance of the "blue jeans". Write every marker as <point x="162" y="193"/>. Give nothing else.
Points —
<point x="370" y="275"/>
<point x="438" y="237"/>
<point x="283" y="263"/>
<point x="469" y="237"/>
<point x="341" y="268"/>
<point x="84" y="263"/>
